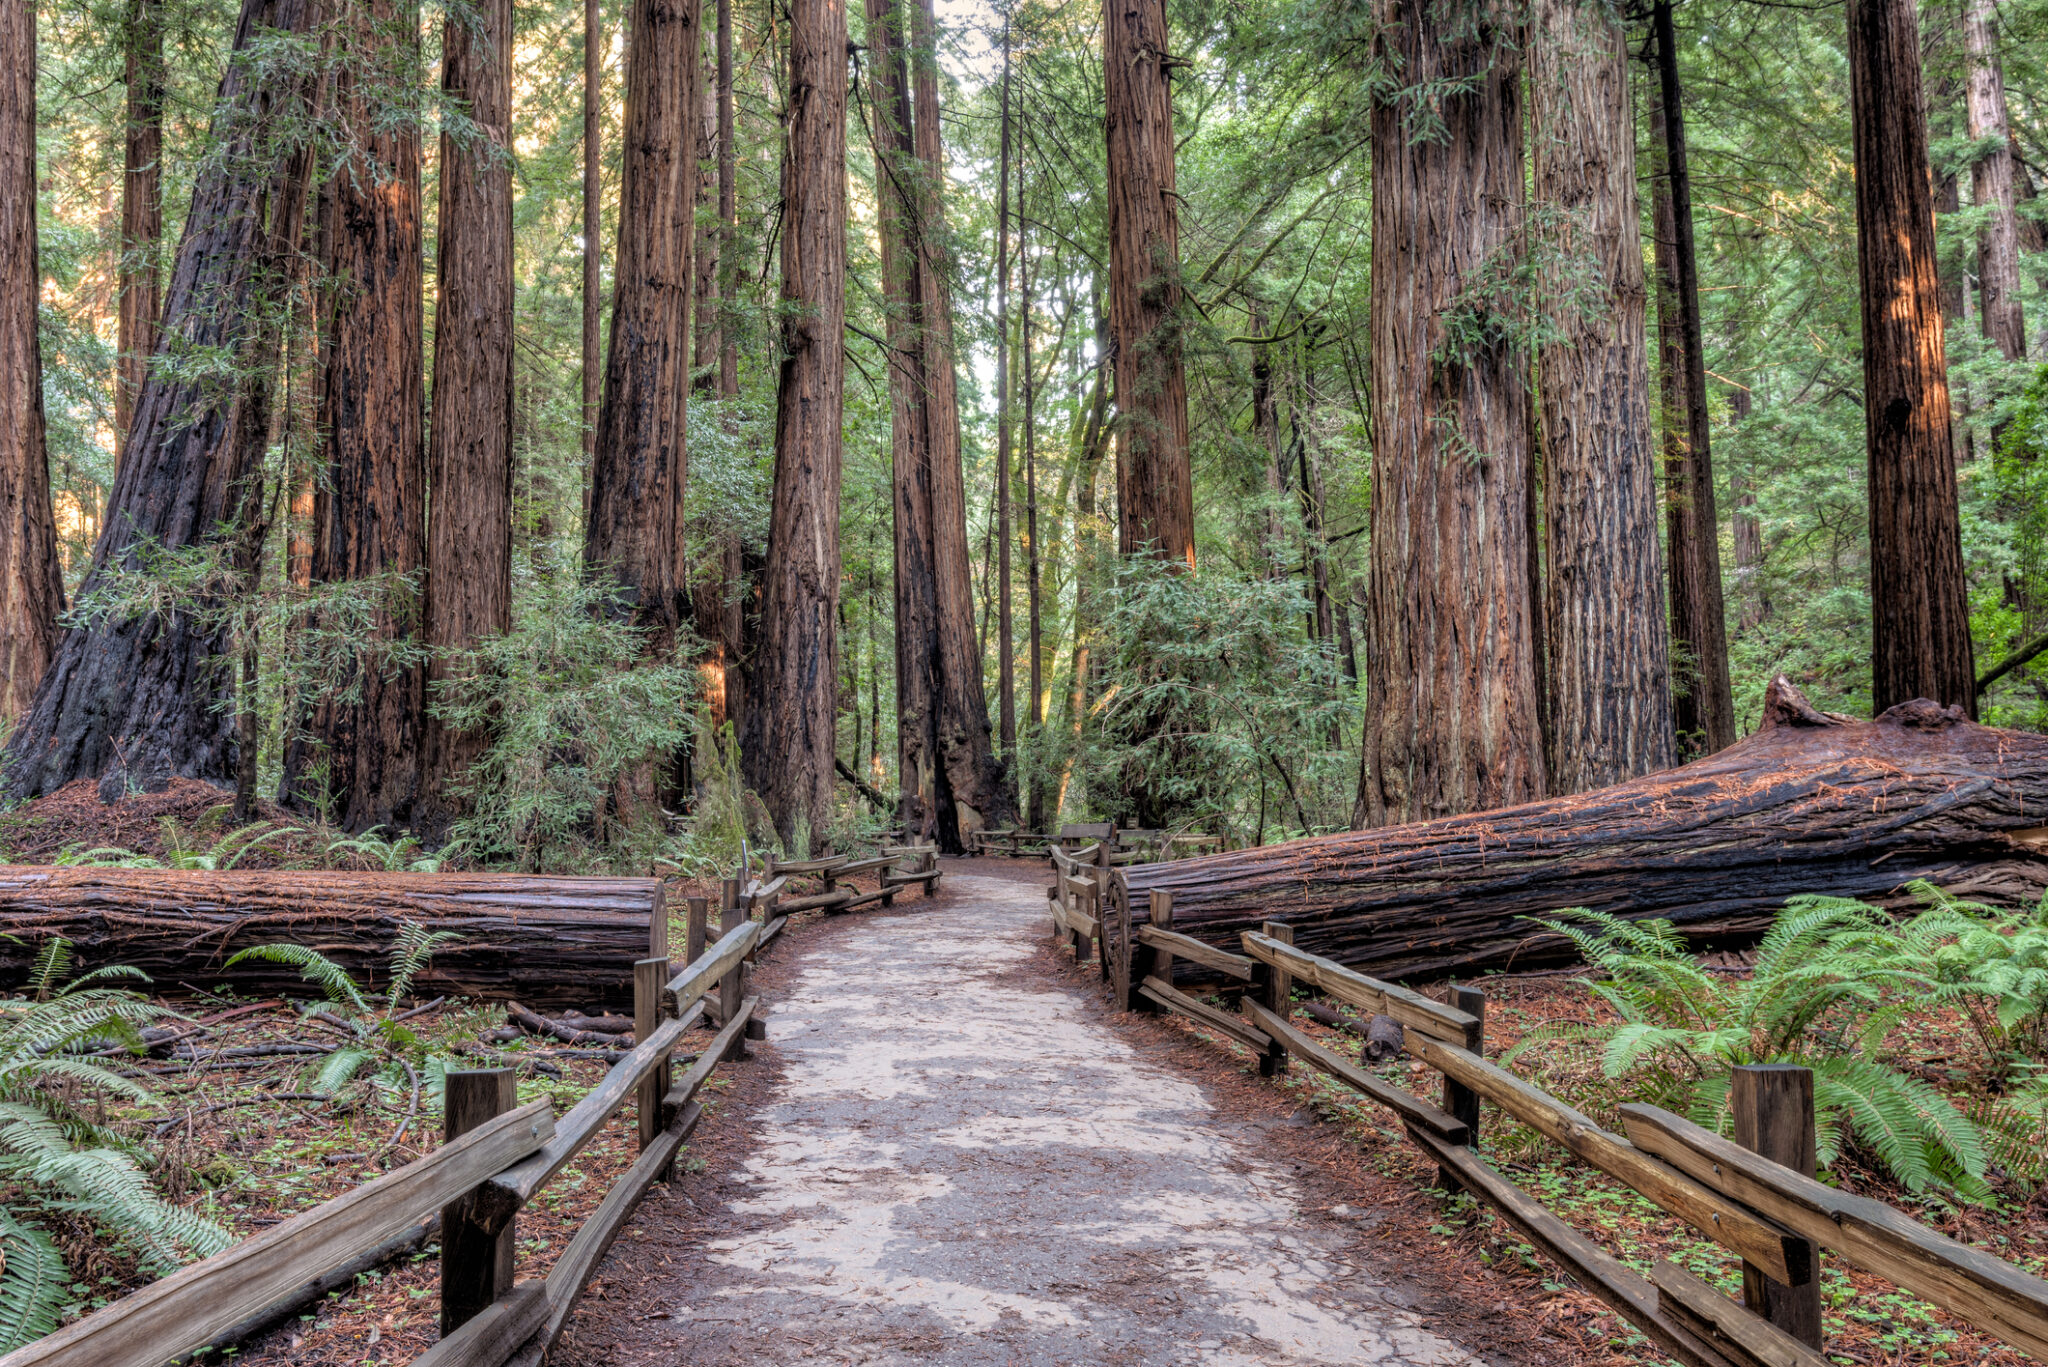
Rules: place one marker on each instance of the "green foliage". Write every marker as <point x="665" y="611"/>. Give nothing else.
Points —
<point x="227" y="849"/>
<point x="1832" y="979"/>
<point x="571" y="703"/>
<point x="380" y="1041"/>
<point x="58" y="1158"/>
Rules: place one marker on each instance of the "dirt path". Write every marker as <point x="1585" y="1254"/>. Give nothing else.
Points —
<point x="954" y="1162"/>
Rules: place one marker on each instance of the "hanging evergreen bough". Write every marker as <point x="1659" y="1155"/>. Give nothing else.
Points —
<point x="1811" y="803"/>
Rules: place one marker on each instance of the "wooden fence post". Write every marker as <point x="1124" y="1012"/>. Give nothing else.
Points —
<point x="650" y="976"/>
<point x="1277" y="996"/>
<point x="476" y="1268"/>
<point x="1772" y="1105"/>
<point x="1160" y="913"/>
<point x="1460" y="1100"/>
<point x="657" y="924"/>
<point x="700" y="922"/>
<point x="732" y="987"/>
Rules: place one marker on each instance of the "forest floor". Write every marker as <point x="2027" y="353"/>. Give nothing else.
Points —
<point x="952" y="1149"/>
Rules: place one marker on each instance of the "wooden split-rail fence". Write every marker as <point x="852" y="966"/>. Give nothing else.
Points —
<point x="497" y="1157"/>
<point x="1755" y="1195"/>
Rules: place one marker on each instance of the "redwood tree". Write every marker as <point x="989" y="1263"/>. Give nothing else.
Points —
<point x="791" y="716"/>
<point x="1920" y="621"/>
<point x="369" y="511"/>
<point x="1605" y="633"/>
<point x="31" y="582"/>
<point x="469" y="443"/>
<point x="135" y="699"/>
<point x="1155" y="487"/>
<point x="1991" y="181"/>
<point x="634" y="532"/>
<point x="1453" y="723"/>
<point x="142" y="208"/>
<point x="1703" y="701"/>
<point x="946" y="762"/>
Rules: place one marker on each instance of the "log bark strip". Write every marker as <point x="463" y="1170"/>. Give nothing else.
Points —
<point x="1809" y="804"/>
<point x="543" y="940"/>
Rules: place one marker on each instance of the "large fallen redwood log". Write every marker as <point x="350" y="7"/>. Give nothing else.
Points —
<point x="1811" y="803"/>
<point x="548" y="941"/>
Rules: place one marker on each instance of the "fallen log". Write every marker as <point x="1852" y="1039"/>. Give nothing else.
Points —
<point x="1811" y="803"/>
<point x="546" y="941"/>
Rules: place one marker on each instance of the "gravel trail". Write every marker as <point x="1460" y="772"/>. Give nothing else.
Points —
<point x="957" y="1165"/>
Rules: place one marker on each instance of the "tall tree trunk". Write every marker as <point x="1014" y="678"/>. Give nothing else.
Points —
<point x="1605" y="631"/>
<point x="469" y="443"/>
<point x="1006" y="640"/>
<point x="1703" y="700"/>
<point x="1452" y="724"/>
<point x="135" y="699"/>
<point x="1920" y="622"/>
<point x="637" y="476"/>
<point x="142" y="209"/>
<point x="791" y="719"/>
<point x="916" y="590"/>
<point x="1088" y="462"/>
<point x="1266" y="428"/>
<point x="1155" y="486"/>
<point x="593" y="214"/>
<point x="728" y="201"/>
<point x="1991" y="185"/>
<point x="981" y="790"/>
<point x="1034" y="709"/>
<point x="31" y="581"/>
<point x="369" y="514"/>
<point x="705" y="253"/>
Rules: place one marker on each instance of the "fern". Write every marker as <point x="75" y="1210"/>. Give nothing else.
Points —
<point x="329" y="976"/>
<point x="1832" y="979"/>
<point x="34" y="1285"/>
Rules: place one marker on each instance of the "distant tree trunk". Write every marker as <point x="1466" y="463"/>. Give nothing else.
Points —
<point x="136" y="699"/>
<point x="469" y="444"/>
<point x="369" y="513"/>
<point x="705" y="253"/>
<point x="1991" y="182"/>
<point x="637" y="476"/>
<point x="1088" y="460"/>
<point x="791" y="719"/>
<point x="1266" y="427"/>
<point x="142" y="209"/>
<point x="1451" y="656"/>
<point x="1748" y="533"/>
<point x="1155" y="487"/>
<point x="1605" y="630"/>
<point x="593" y="214"/>
<point x="728" y="201"/>
<point x="1703" y="700"/>
<point x="1006" y="640"/>
<point x="31" y="580"/>
<point x="1920" y="621"/>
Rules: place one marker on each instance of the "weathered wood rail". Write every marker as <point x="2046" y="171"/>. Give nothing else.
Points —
<point x="1757" y="1199"/>
<point x="896" y="868"/>
<point x="497" y="1159"/>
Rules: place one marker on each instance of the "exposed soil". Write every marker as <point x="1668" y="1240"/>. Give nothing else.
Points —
<point x="75" y="817"/>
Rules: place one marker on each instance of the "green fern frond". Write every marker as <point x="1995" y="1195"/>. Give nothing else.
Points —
<point x="35" y="1285"/>
<point x="339" y="1068"/>
<point x="52" y="968"/>
<point x="410" y="955"/>
<point x="111" y="1188"/>
<point x="315" y="968"/>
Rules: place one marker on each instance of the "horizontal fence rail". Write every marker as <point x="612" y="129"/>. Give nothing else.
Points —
<point x="1772" y="1216"/>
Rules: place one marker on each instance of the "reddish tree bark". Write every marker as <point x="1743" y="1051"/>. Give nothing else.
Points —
<point x="1920" y="623"/>
<point x="1452" y="668"/>
<point x="31" y="581"/>
<point x="1155" y="487"/>
<point x="1991" y="181"/>
<point x="1605" y="633"/>
<point x="469" y="442"/>
<point x="135" y="700"/>
<point x="791" y="720"/>
<point x="369" y="511"/>
<point x="142" y="209"/>
<point x="1811" y="803"/>
<point x="593" y="215"/>
<point x="634" y="532"/>
<point x="1703" y="700"/>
